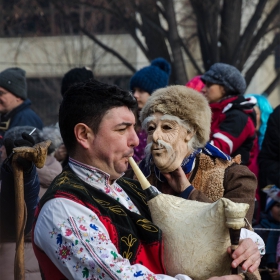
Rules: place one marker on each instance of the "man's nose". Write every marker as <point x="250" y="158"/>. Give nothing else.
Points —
<point x="134" y="140"/>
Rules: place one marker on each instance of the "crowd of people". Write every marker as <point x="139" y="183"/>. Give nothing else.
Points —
<point x="89" y="217"/>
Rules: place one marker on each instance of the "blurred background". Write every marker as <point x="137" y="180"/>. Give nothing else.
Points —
<point x="116" y="38"/>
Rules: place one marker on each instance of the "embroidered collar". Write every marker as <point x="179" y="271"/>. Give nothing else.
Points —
<point x="188" y="163"/>
<point x="100" y="180"/>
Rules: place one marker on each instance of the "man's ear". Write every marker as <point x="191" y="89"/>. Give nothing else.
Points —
<point x="84" y="135"/>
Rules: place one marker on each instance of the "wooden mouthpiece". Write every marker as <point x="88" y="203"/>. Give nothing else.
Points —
<point x="140" y="176"/>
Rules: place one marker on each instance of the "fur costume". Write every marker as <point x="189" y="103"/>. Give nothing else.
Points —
<point x="209" y="177"/>
<point x="184" y="103"/>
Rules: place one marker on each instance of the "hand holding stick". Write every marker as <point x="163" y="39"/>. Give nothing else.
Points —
<point x="37" y="155"/>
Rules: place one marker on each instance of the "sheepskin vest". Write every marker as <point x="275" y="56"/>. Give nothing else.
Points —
<point x="208" y="175"/>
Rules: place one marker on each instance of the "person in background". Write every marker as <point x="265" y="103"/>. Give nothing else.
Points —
<point x="233" y="116"/>
<point x="196" y="84"/>
<point x="269" y="156"/>
<point x="143" y="83"/>
<point x="52" y="167"/>
<point x="269" y="230"/>
<point x="263" y="110"/>
<point x="14" y="104"/>
<point x="92" y="223"/>
<point x="73" y="76"/>
<point x="8" y="213"/>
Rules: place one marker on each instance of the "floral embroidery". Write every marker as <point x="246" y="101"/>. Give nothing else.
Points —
<point x="77" y="266"/>
<point x="102" y="236"/>
<point x="100" y="181"/>
<point x="64" y="252"/>
<point x="151" y="277"/>
<point x="81" y="244"/>
<point x="53" y="232"/>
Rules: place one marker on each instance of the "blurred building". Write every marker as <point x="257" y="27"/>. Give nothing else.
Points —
<point x="35" y="37"/>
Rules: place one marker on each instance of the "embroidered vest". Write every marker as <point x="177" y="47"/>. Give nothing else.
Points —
<point x="135" y="236"/>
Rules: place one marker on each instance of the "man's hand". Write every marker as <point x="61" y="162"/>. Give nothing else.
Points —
<point x="25" y="141"/>
<point x="247" y="252"/>
<point x="177" y="180"/>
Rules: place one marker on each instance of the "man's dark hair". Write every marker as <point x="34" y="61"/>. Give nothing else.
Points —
<point x="87" y="103"/>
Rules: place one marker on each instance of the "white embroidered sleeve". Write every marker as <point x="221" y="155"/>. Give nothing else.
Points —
<point x="245" y="233"/>
<point x="78" y="243"/>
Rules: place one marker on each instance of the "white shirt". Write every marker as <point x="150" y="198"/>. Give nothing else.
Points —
<point x="78" y="243"/>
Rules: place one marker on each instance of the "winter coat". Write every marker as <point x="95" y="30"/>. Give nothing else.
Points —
<point x="233" y="126"/>
<point x="48" y="172"/>
<point x="7" y="226"/>
<point x="269" y="156"/>
<point x="21" y="116"/>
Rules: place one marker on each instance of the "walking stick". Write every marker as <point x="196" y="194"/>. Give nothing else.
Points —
<point x="37" y="154"/>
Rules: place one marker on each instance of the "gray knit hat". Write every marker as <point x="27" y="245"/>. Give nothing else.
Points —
<point x="227" y="76"/>
<point x="14" y="81"/>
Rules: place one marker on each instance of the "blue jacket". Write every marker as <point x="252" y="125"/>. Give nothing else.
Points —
<point x="22" y="116"/>
<point x="7" y="201"/>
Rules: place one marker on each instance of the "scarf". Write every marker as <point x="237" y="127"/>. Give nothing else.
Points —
<point x="188" y="163"/>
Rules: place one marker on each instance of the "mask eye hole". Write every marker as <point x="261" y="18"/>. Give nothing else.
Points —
<point x="166" y="127"/>
<point x="151" y="128"/>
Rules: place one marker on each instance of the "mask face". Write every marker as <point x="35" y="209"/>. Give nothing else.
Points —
<point x="167" y="141"/>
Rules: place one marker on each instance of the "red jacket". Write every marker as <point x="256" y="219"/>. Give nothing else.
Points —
<point x="233" y="126"/>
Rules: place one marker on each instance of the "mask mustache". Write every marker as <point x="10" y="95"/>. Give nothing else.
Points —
<point x="161" y="144"/>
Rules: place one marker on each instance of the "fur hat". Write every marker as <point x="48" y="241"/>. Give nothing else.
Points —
<point x="152" y="77"/>
<point x="73" y="76"/>
<point x="14" y="81"/>
<point x="225" y="75"/>
<point x="184" y="103"/>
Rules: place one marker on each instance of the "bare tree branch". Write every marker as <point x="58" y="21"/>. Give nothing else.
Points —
<point x="238" y="58"/>
<point x="261" y="58"/>
<point x="207" y="13"/>
<point x="230" y="16"/>
<point x="273" y="85"/>
<point x="263" y="29"/>
<point x="97" y="41"/>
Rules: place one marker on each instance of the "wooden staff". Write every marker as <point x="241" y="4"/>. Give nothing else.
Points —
<point x="37" y="155"/>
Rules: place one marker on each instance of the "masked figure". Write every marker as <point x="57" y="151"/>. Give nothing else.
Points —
<point x="177" y="120"/>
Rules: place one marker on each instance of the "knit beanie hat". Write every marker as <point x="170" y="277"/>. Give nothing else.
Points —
<point x="74" y="76"/>
<point x="152" y="77"/>
<point x="14" y="81"/>
<point x="186" y="104"/>
<point x="195" y="83"/>
<point x="16" y="132"/>
<point x="227" y="76"/>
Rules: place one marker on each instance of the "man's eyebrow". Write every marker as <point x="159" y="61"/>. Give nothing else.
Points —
<point x="125" y="123"/>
